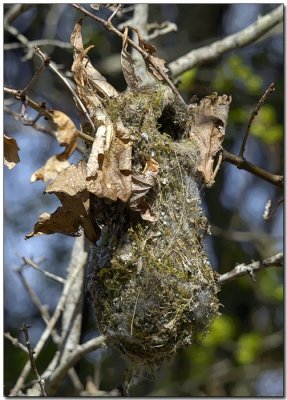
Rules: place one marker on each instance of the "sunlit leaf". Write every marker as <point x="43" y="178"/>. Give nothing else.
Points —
<point x="11" y="157"/>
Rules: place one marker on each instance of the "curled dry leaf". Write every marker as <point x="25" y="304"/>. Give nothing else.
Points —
<point x="141" y="184"/>
<point x="70" y="188"/>
<point x="67" y="133"/>
<point x="86" y="76"/>
<point x="11" y="157"/>
<point x="109" y="165"/>
<point x="207" y="130"/>
<point x="53" y="167"/>
<point x="155" y="65"/>
<point x="128" y="66"/>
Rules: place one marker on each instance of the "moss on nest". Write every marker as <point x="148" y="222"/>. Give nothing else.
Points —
<point x="152" y="285"/>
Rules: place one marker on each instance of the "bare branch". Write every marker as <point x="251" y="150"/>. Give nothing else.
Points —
<point x="260" y="103"/>
<point x="237" y="40"/>
<point x="40" y="382"/>
<point x="14" y="12"/>
<point x="15" y="342"/>
<point x="32" y="264"/>
<point x="59" y="373"/>
<point x="50" y="326"/>
<point x="72" y="315"/>
<point x="160" y="29"/>
<point x="42" y="110"/>
<point x="243" y="269"/>
<point x="43" y="310"/>
<point x="241" y="163"/>
<point x="40" y="42"/>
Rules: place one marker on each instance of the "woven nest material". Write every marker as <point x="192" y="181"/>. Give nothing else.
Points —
<point x="152" y="286"/>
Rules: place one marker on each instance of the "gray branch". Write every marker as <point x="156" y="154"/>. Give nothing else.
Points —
<point x="250" y="269"/>
<point x="80" y="351"/>
<point x="237" y="40"/>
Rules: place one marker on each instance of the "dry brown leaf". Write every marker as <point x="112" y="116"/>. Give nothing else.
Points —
<point x="88" y="79"/>
<point x="61" y="221"/>
<point x="66" y="133"/>
<point x="113" y="178"/>
<point x="141" y="184"/>
<point x="207" y="130"/>
<point x="53" y="167"/>
<point x="158" y="63"/>
<point x="11" y="157"/>
<point x="70" y="188"/>
<point x="149" y="48"/>
<point x="128" y="66"/>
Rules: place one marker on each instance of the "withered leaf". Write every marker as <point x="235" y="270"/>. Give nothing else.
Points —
<point x="155" y="65"/>
<point x="53" y="167"/>
<point x="207" y="130"/>
<point x="11" y="157"/>
<point x="70" y="188"/>
<point x="143" y="43"/>
<point x="66" y="133"/>
<point x="61" y="221"/>
<point x="88" y="79"/>
<point x="128" y="65"/>
<point x="102" y="142"/>
<point x="141" y="184"/>
<point x="109" y="165"/>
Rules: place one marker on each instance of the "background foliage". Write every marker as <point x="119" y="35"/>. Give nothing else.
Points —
<point x="243" y="353"/>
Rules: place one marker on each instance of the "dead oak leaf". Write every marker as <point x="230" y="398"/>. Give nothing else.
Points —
<point x="11" y="157"/>
<point x="207" y="129"/>
<point x="74" y="214"/>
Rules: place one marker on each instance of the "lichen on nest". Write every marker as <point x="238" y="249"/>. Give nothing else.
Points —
<point x="152" y="286"/>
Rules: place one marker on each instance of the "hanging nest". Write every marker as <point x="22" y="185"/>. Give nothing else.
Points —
<point x="152" y="286"/>
<point x="136" y="198"/>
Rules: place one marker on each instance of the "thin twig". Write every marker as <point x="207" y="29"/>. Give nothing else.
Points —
<point x="53" y="67"/>
<point x="32" y="264"/>
<point x="243" y="269"/>
<point x="145" y="54"/>
<point x="40" y="42"/>
<point x="260" y="103"/>
<point x="40" y="381"/>
<point x="118" y="7"/>
<point x="15" y="342"/>
<point x="237" y="40"/>
<point x="35" y="299"/>
<point x="269" y="211"/>
<point x="72" y="314"/>
<point x="241" y="163"/>
<point x="47" y="114"/>
<point x="47" y="332"/>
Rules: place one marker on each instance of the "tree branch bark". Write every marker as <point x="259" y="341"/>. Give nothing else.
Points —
<point x="241" y="163"/>
<point x="243" y="269"/>
<point x="237" y="40"/>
